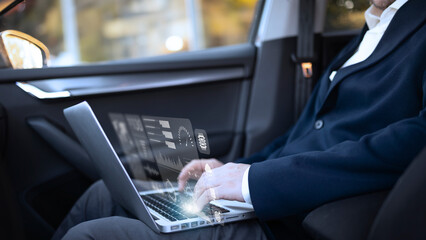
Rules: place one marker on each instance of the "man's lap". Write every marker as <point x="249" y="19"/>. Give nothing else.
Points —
<point x="96" y="216"/>
<point x="129" y="228"/>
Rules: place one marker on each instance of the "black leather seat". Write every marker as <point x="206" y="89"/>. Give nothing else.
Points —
<point x="348" y="219"/>
<point x="398" y="214"/>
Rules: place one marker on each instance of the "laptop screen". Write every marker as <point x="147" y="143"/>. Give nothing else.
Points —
<point x="154" y="148"/>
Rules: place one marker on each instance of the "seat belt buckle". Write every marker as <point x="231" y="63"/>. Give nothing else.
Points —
<point x="306" y="65"/>
<point x="307" y="69"/>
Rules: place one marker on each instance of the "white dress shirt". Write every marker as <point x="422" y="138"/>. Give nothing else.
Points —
<point x="377" y="26"/>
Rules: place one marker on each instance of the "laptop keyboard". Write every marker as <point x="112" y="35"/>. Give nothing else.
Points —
<point x="172" y="210"/>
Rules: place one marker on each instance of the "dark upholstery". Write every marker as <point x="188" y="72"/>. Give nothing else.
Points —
<point x="399" y="214"/>
<point x="345" y="219"/>
<point x="403" y="214"/>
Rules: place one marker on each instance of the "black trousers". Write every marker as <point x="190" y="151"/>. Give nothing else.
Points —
<point x="96" y="216"/>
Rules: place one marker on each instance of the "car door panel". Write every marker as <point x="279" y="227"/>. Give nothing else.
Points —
<point x="93" y="85"/>
<point x="187" y="85"/>
<point x="63" y="144"/>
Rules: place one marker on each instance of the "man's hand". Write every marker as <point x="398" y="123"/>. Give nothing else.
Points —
<point x="220" y="183"/>
<point x="195" y="169"/>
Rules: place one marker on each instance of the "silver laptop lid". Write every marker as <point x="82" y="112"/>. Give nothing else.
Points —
<point x="91" y="135"/>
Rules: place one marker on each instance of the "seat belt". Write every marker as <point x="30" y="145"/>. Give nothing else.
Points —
<point x="304" y="58"/>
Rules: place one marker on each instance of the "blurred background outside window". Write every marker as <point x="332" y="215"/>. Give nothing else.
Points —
<point x="89" y="31"/>
<point x="345" y="14"/>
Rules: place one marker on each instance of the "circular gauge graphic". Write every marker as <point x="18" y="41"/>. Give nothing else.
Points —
<point x="184" y="137"/>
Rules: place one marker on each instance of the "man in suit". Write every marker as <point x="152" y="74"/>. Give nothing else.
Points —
<point x="364" y="123"/>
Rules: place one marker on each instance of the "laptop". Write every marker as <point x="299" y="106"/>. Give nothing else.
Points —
<point x="152" y="207"/>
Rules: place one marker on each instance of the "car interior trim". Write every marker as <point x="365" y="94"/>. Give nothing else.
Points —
<point x="40" y="94"/>
<point x="93" y="85"/>
<point x="256" y="21"/>
<point x="218" y="57"/>
<point x="276" y="21"/>
<point x="64" y="145"/>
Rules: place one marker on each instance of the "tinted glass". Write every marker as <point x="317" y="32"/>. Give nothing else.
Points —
<point x="345" y="14"/>
<point x="88" y="31"/>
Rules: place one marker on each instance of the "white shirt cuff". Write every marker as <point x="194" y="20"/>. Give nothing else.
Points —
<point x="245" y="187"/>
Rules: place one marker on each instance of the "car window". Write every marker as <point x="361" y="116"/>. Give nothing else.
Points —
<point x="345" y="14"/>
<point x="90" y="31"/>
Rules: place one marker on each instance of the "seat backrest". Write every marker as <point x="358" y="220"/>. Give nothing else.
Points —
<point x="348" y="219"/>
<point x="403" y="214"/>
<point x="398" y="214"/>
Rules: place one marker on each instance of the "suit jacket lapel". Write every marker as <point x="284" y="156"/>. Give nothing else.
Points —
<point x="408" y="18"/>
<point x="338" y="61"/>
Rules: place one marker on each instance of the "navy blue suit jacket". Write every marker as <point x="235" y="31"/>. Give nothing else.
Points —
<point x="374" y="123"/>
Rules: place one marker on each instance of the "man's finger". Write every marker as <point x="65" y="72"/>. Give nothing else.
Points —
<point x="194" y="169"/>
<point x="191" y="170"/>
<point x="207" y="180"/>
<point x="207" y="196"/>
<point x="200" y="186"/>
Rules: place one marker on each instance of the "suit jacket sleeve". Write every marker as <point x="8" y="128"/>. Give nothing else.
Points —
<point x="293" y="184"/>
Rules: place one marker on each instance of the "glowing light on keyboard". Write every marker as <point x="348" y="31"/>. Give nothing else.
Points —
<point x="190" y="208"/>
